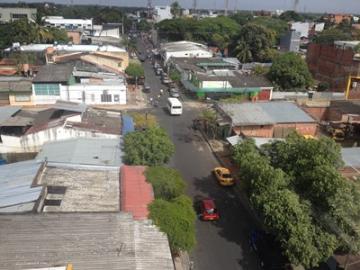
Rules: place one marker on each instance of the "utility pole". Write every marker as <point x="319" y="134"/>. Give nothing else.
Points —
<point x="226" y="7"/>
<point x="195" y="5"/>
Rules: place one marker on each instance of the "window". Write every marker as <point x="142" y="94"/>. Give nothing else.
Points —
<point x="47" y="89"/>
<point x="18" y="16"/>
<point x="22" y="98"/>
<point x="105" y="97"/>
<point x="116" y="98"/>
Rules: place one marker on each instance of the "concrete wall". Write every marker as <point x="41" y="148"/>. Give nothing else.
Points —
<point x="255" y="131"/>
<point x="75" y="36"/>
<point x="8" y="13"/>
<point x="13" y="101"/>
<point x="91" y="94"/>
<point x="190" y="54"/>
<point x="278" y="130"/>
<point x="215" y="84"/>
<point x="117" y="61"/>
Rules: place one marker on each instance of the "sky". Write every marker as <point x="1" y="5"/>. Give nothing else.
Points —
<point x="348" y="6"/>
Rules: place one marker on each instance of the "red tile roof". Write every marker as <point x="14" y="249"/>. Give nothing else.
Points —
<point x="136" y="193"/>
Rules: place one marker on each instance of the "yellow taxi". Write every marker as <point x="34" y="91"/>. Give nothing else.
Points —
<point x="223" y="176"/>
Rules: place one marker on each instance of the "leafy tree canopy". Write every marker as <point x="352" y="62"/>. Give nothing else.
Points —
<point x="254" y="43"/>
<point x="330" y="35"/>
<point x="150" y="147"/>
<point x="279" y="26"/>
<point x="26" y="32"/>
<point x="177" y="219"/>
<point x="167" y="183"/>
<point x="291" y="15"/>
<point x="135" y="70"/>
<point x="290" y="71"/>
<point x="286" y="214"/>
<point x="176" y="9"/>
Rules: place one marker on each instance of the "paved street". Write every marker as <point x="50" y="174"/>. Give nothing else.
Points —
<point x="222" y="244"/>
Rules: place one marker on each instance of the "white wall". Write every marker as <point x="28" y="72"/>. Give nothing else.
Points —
<point x="302" y="27"/>
<point x="39" y="99"/>
<point x="190" y="54"/>
<point x="91" y="94"/>
<point x="162" y="13"/>
<point x="115" y="32"/>
<point x="69" y="23"/>
<point x="216" y="84"/>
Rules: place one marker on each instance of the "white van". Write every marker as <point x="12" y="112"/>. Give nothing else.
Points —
<point x="174" y="106"/>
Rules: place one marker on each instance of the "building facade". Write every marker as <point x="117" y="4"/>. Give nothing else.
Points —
<point x="13" y="14"/>
<point x="334" y="64"/>
<point x="68" y="24"/>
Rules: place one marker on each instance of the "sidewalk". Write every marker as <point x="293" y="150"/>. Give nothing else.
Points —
<point x="182" y="262"/>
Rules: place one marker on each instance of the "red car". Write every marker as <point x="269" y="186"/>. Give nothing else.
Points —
<point x="208" y="210"/>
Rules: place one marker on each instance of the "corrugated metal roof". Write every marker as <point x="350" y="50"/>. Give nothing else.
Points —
<point x="127" y="124"/>
<point x="16" y="193"/>
<point x="54" y="73"/>
<point x="136" y="193"/>
<point x="84" y="151"/>
<point x="265" y="113"/>
<point x="7" y="111"/>
<point x="89" y="241"/>
<point x="351" y="156"/>
<point x="69" y="106"/>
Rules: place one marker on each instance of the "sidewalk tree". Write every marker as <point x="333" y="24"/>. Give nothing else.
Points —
<point x="176" y="218"/>
<point x="150" y="147"/>
<point x="135" y="70"/>
<point x="328" y="36"/>
<point x="290" y="71"/>
<point x="175" y="75"/>
<point x="166" y="182"/>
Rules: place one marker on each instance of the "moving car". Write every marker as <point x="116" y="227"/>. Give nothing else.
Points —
<point x="223" y="176"/>
<point x="208" y="210"/>
<point x="174" y="93"/>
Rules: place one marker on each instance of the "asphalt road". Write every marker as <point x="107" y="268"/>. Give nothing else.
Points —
<point x="222" y="244"/>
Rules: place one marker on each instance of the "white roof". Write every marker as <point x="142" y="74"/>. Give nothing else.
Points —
<point x="67" y="21"/>
<point x="259" y="141"/>
<point x="183" y="46"/>
<point x="174" y="101"/>
<point x="69" y="48"/>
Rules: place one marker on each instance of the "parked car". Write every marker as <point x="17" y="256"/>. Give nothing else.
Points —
<point x="158" y="71"/>
<point x="174" y="93"/>
<point x="223" y="176"/>
<point x="166" y="79"/>
<point x="146" y="88"/>
<point x="268" y="251"/>
<point x="208" y="210"/>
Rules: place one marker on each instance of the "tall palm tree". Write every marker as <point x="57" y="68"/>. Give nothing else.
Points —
<point x="243" y="52"/>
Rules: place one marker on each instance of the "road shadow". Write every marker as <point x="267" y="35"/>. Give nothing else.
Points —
<point x="235" y="222"/>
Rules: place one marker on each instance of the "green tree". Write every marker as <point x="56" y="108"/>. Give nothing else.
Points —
<point x="144" y="120"/>
<point x="177" y="219"/>
<point x="176" y="9"/>
<point x="167" y="183"/>
<point x="150" y="147"/>
<point x="175" y="75"/>
<point x="290" y="71"/>
<point x="284" y="213"/>
<point x="144" y="25"/>
<point x="291" y="15"/>
<point x="330" y="35"/>
<point x="135" y="70"/>
<point x="278" y="26"/>
<point x="241" y="18"/>
<point x="253" y="43"/>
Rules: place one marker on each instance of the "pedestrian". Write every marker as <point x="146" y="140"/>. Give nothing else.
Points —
<point x="159" y="96"/>
<point x="151" y="100"/>
<point x="161" y="91"/>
